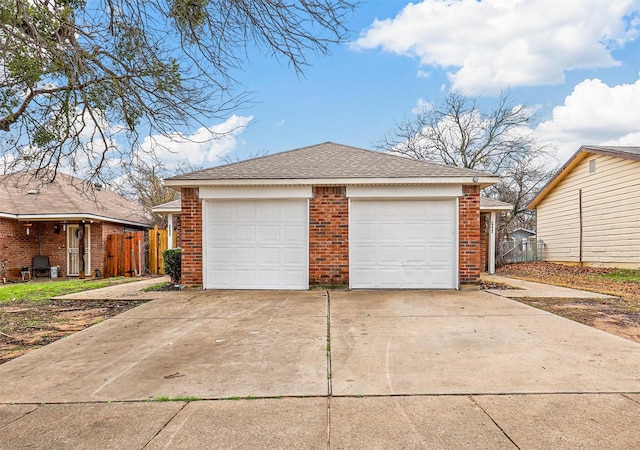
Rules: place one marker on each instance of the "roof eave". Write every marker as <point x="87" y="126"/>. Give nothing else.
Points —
<point x="58" y="217"/>
<point x="167" y="210"/>
<point x="495" y="208"/>
<point x="483" y="181"/>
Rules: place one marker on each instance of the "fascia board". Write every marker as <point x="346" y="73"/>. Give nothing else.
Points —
<point x="483" y="181"/>
<point x="51" y="217"/>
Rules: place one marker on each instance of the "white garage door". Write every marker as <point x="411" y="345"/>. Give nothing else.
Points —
<point x="403" y="244"/>
<point x="256" y="244"/>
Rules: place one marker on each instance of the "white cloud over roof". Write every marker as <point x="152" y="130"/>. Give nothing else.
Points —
<point x="205" y="147"/>
<point x="494" y="44"/>
<point x="594" y="114"/>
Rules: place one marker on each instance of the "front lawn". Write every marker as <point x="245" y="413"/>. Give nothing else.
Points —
<point x="40" y="291"/>
<point x="620" y="316"/>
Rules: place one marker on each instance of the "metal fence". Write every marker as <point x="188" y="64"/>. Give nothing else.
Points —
<point x="521" y="250"/>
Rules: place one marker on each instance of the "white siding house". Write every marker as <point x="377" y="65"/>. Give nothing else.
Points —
<point x="589" y="213"/>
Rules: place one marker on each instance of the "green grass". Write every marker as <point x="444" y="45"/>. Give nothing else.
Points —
<point x="154" y="287"/>
<point x="176" y="399"/>
<point x="43" y="291"/>
<point x="632" y="275"/>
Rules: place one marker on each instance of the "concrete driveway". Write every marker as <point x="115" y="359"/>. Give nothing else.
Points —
<point x="320" y="369"/>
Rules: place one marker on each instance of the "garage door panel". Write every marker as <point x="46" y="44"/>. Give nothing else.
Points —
<point x="294" y="233"/>
<point x="413" y="232"/>
<point x="267" y="257"/>
<point x="437" y="231"/>
<point x="256" y="244"/>
<point x="413" y="254"/>
<point x="403" y="243"/>
<point x="292" y="257"/>
<point x="361" y="253"/>
<point x="268" y="233"/>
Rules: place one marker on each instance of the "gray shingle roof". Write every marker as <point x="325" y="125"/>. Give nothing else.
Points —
<point x="620" y="151"/>
<point x="328" y="161"/>
<point x="66" y="196"/>
<point x="172" y="206"/>
<point x="488" y="204"/>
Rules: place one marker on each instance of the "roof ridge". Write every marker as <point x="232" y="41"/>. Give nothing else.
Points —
<point x="330" y="160"/>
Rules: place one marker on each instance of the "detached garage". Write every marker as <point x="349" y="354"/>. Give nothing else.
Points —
<point x="331" y="214"/>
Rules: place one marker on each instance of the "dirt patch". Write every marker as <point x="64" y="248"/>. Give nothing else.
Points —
<point x="619" y="316"/>
<point x="25" y="326"/>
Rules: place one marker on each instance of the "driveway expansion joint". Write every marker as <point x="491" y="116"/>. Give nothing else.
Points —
<point x="329" y="374"/>
<point x="160" y="429"/>
<point x="506" y="435"/>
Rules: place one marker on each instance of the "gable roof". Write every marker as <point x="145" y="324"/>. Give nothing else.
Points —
<point x="67" y="197"/>
<point x="330" y="163"/>
<point x="632" y="153"/>
<point x="523" y="231"/>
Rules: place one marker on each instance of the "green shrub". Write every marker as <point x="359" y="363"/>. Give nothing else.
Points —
<point x="173" y="264"/>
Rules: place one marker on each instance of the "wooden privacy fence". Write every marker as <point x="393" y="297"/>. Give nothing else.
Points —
<point x="125" y="254"/>
<point x="158" y="243"/>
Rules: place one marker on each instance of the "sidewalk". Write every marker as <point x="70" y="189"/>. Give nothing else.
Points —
<point x="524" y="288"/>
<point x="124" y="291"/>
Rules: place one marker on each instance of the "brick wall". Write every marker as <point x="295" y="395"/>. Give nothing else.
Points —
<point x="191" y="237"/>
<point x="329" y="236"/>
<point x="49" y="239"/>
<point x="469" y="235"/>
<point x="16" y="247"/>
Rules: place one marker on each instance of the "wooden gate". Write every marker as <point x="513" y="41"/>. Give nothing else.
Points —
<point x="158" y="243"/>
<point x="125" y="254"/>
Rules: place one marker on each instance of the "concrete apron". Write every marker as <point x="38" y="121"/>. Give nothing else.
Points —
<point x="392" y="357"/>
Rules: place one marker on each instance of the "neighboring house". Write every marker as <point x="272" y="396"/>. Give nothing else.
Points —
<point x="589" y="212"/>
<point x="45" y="220"/>
<point x="331" y="214"/>
<point x="521" y="233"/>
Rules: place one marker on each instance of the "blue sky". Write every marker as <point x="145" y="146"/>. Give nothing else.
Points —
<point x="576" y="63"/>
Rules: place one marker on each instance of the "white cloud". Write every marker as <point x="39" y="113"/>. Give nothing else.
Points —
<point x="203" y="148"/>
<point x="494" y="44"/>
<point x="594" y="114"/>
<point x="422" y="105"/>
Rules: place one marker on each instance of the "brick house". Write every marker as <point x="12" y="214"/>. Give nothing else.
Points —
<point x="47" y="220"/>
<point x="331" y="214"/>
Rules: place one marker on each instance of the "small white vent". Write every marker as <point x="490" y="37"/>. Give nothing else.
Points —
<point x="592" y="166"/>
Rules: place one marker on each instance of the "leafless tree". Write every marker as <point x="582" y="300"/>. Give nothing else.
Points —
<point x="81" y="82"/>
<point x="459" y="132"/>
<point x="518" y="185"/>
<point x="144" y="182"/>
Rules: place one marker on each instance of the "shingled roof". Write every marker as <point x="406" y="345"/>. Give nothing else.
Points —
<point x="329" y="161"/>
<point x="23" y="197"/>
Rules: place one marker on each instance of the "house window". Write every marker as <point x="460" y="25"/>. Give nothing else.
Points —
<point x="592" y="166"/>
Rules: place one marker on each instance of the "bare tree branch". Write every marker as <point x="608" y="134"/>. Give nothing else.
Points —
<point x="458" y="132"/>
<point x="81" y="82"/>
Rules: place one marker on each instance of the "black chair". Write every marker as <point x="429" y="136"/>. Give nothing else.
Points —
<point x="41" y="264"/>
